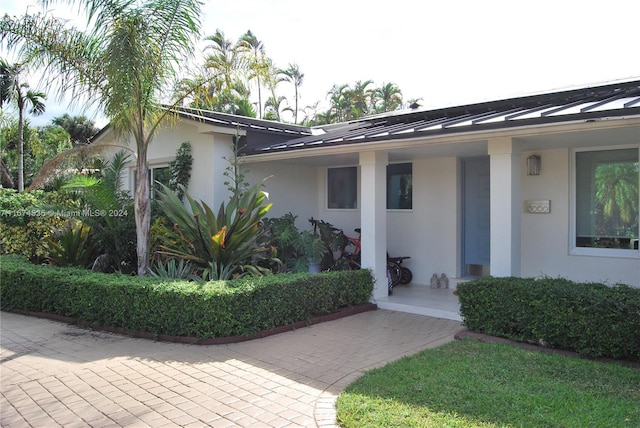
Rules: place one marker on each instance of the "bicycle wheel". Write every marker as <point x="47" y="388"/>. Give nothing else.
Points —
<point x="407" y="275"/>
<point x="395" y="272"/>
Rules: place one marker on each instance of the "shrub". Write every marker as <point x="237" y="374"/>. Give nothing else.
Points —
<point x="592" y="319"/>
<point x="179" y="308"/>
<point x="27" y="221"/>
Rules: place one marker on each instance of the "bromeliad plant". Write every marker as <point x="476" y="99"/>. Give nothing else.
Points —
<point x="223" y="245"/>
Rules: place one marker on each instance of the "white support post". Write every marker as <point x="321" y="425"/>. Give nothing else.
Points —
<point x="505" y="207"/>
<point x="373" y="217"/>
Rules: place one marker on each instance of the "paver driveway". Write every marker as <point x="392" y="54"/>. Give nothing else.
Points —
<point x="54" y="374"/>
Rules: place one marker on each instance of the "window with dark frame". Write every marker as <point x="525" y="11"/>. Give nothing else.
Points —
<point x="342" y="188"/>
<point x="400" y="186"/>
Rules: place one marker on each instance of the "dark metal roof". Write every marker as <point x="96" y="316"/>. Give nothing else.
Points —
<point x="591" y="103"/>
<point x="242" y="122"/>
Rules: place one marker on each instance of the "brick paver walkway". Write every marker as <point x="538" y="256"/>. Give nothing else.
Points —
<point x="53" y="374"/>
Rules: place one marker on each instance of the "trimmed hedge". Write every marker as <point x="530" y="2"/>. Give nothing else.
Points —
<point x="178" y="308"/>
<point x="595" y="320"/>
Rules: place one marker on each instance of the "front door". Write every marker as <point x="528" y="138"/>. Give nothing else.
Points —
<point x="476" y="217"/>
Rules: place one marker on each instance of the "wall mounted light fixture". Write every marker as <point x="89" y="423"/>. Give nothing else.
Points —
<point x="534" y="165"/>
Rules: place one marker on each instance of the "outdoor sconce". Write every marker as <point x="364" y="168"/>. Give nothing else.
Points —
<point x="534" y="165"/>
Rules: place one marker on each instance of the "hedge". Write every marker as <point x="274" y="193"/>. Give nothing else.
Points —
<point x="215" y="309"/>
<point x="595" y="320"/>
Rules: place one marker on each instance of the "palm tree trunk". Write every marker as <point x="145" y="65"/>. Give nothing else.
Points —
<point x="20" y="149"/>
<point x="142" y="211"/>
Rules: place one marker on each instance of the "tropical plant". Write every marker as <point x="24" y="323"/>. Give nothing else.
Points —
<point x="70" y="246"/>
<point x="123" y="61"/>
<point x="79" y="128"/>
<point x="258" y="65"/>
<point x="106" y="211"/>
<point x="33" y="151"/>
<point x="222" y="245"/>
<point x="617" y="199"/>
<point x="173" y="269"/>
<point x="180" y="169"/>
<point x="388" y="97"/>
<point x="14" y="90"/>
<point x="296" y="250"/>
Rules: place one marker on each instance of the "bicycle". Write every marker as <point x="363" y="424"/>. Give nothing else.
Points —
<point x="350" y="260"/>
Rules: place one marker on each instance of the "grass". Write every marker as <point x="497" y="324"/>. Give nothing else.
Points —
<point x="468" y="383"/>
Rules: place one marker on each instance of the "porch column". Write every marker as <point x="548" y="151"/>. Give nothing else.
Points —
<point x="505" y="207"/>
<point x="373" y="217"/>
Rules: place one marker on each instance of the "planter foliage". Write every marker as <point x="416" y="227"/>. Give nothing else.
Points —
<point x="592" y="319"/>
<point x="214" y="309"/>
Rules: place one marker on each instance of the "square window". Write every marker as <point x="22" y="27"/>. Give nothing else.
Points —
<point x="400" y="186"/>
<point x="606" y="204"/>
<point x="342" y="188"/>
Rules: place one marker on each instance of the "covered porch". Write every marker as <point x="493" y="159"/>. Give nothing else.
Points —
<point x="421" y="299"/>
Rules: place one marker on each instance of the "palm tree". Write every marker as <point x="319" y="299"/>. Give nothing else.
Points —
<point x="79" y="128"/>
<point x="339" y="103"/>
<point x="123" y="61"/>
<point x="273" y="107"/>
<point x="258" y="65"/>
<point x="12" y="90"/>
<point x="361" y="98"/>
<point x="388" y="97"/>
<point x="224" y="59"/>
<point x="293" y="75"/>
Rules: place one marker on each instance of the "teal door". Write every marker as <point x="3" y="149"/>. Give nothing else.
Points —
<point x="476" y="232"/>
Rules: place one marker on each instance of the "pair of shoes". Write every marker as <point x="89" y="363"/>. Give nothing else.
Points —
<point x="435" y="281"/>
<point x="444" y="281"/>
<point x="439" y="282"/>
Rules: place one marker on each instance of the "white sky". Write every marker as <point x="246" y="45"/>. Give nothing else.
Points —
<point x="446" y="52"/>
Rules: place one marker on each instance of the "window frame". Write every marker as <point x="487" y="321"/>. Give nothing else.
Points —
<point x="593" y="251"/>
<point x="392" y="165"/>
<point x="151" y="174"/>
<point x="357" y="189"/>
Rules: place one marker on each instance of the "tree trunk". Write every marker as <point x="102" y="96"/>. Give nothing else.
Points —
<point x="142" y="211"/>
<point x="20" y="150"/>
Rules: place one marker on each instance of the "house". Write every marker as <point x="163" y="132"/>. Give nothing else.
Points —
<point x="539" y="185"/>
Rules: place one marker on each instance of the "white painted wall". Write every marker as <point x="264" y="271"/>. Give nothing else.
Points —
<point x="291" y="188"/>
<point x="429" y="232"/>
<point x="545" y="237"/>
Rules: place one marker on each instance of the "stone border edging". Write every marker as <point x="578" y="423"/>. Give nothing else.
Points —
<point x="340" y="313"/>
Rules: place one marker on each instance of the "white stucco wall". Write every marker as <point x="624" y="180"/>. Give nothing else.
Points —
<point x="429" y="232"/>
<point x="291" y="188"/>
<point x="545" y="237"/>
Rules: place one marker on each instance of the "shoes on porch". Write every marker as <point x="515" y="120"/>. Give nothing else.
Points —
<point x="444" y="281"/>
<point x="435" y="281"/>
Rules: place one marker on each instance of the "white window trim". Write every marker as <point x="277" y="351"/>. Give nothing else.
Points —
<point x="585" y="251"/>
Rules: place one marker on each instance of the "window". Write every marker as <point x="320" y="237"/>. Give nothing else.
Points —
<point x="400" y="186"/>
<point x="159" y="174"/>
<point x="342" y="188"/>
<point x="606" y="205"/>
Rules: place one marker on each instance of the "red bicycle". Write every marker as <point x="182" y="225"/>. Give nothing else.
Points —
<point x="348" y="251"/>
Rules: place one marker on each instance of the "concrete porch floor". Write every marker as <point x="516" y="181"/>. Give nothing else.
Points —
<point x="421" y="299"/>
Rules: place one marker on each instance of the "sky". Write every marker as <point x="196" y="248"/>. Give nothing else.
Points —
<point x="444" y="52"/>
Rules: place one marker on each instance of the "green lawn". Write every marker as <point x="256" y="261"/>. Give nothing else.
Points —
<point x="468" y="383"/>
